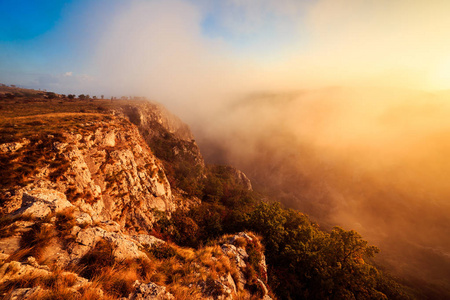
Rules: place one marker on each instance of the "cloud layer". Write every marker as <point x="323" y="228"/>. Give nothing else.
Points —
<point x="187" y="53"/>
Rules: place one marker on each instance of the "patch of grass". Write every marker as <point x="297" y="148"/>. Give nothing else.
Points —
<point x="97" y="260"/>
<point x="58" y="293"/>
<point x="116" y="278"/>
<point x="73" y="195"/>
<point x="54" y="285"/>
<point x="21" y="282"/>
<point x="34" y="241"/>
<point x="64" y="223"/>
<point x="7" y="224"/>
<point x="183" y="292"/>
<point x="162" y="251"/>
<point x="60" y="165"/>
<point x="240" y="242"/>
<point x="65" y="220"/>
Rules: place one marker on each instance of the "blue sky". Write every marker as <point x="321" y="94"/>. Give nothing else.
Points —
<point x="25" y="20"/>
<point x="147" y="47"/>
<point x="43" y="40"/>
<point x="40" y="40"/>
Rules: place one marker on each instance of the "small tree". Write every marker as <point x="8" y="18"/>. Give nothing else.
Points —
<point x="51" y="95"/>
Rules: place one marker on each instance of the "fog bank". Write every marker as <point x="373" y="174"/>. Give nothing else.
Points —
<point x="374" y="160"/>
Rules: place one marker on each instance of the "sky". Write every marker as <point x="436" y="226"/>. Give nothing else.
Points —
<point x="179" y="51"/>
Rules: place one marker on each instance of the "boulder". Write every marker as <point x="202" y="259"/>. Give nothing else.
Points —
<point x="40" y="202"/>
<point x="124" y="246"/>
<point x="147" y="240"/>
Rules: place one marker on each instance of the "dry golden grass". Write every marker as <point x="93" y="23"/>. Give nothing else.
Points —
<point x="97" y="260"/>
<point x="184" y="269"/>
<point x="240" y="242"/>
<point x="92" y="293"/>
<point x="22" y="107"/>
<point x="34" y="242"/>
<point x="185" y="272"/>
<point x="65" y="221"/>
<point x="54" y="286"/>
<point x="117" y="281"/>
<point x="183" y="292"/>
<point x="8" y="224"/>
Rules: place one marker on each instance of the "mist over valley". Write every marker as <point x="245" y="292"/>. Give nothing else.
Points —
<point x="370" y="159"/>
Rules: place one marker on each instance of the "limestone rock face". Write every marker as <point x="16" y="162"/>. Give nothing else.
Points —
<point x="242" y="179"/>
<point x="40" y="202"/>
<point x="107" y="171"/>
<point x="145" y="113"/>
<point x="13" y="147"/>
<point x="235" y="249"/>
<point x="154" y="120"/>
<point x="125" y="246"/>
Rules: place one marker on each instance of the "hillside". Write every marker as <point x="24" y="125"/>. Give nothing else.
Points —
<point x="111" y="199"/>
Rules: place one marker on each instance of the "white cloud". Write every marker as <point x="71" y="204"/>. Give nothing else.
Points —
<point x="158" y="48"/>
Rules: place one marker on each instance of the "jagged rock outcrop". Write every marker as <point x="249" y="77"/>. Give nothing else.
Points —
<point x="78" y="219"/>
<point x="125" y="246"/>
<point x="156" y="123"/>
<point x="235" y="248"/>
<point x="144" y="114"/>
<point x="106" y="170"/>
<point x="40" y="202"/>
<point x="25" y="293"/>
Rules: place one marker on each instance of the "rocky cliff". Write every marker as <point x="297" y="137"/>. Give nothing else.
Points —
<point x="80" y="195"/>
<point x="103" y="167"/>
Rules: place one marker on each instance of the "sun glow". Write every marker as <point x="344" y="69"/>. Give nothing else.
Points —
<point x="441" y="77"/>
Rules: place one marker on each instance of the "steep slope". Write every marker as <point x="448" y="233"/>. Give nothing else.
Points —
<point x="80" y="195"/>
<point x="172" y="142"/>
<point x="101" y="164"/>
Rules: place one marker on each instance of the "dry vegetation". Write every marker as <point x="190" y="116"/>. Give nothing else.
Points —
<point x="187" y="273"/>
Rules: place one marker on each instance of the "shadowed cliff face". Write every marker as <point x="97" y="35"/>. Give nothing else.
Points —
<point x="371" y="160"/>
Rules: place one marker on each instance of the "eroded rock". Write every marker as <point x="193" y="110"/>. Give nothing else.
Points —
<point x="150" y="291"/>
<point x="40" y="202"/>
